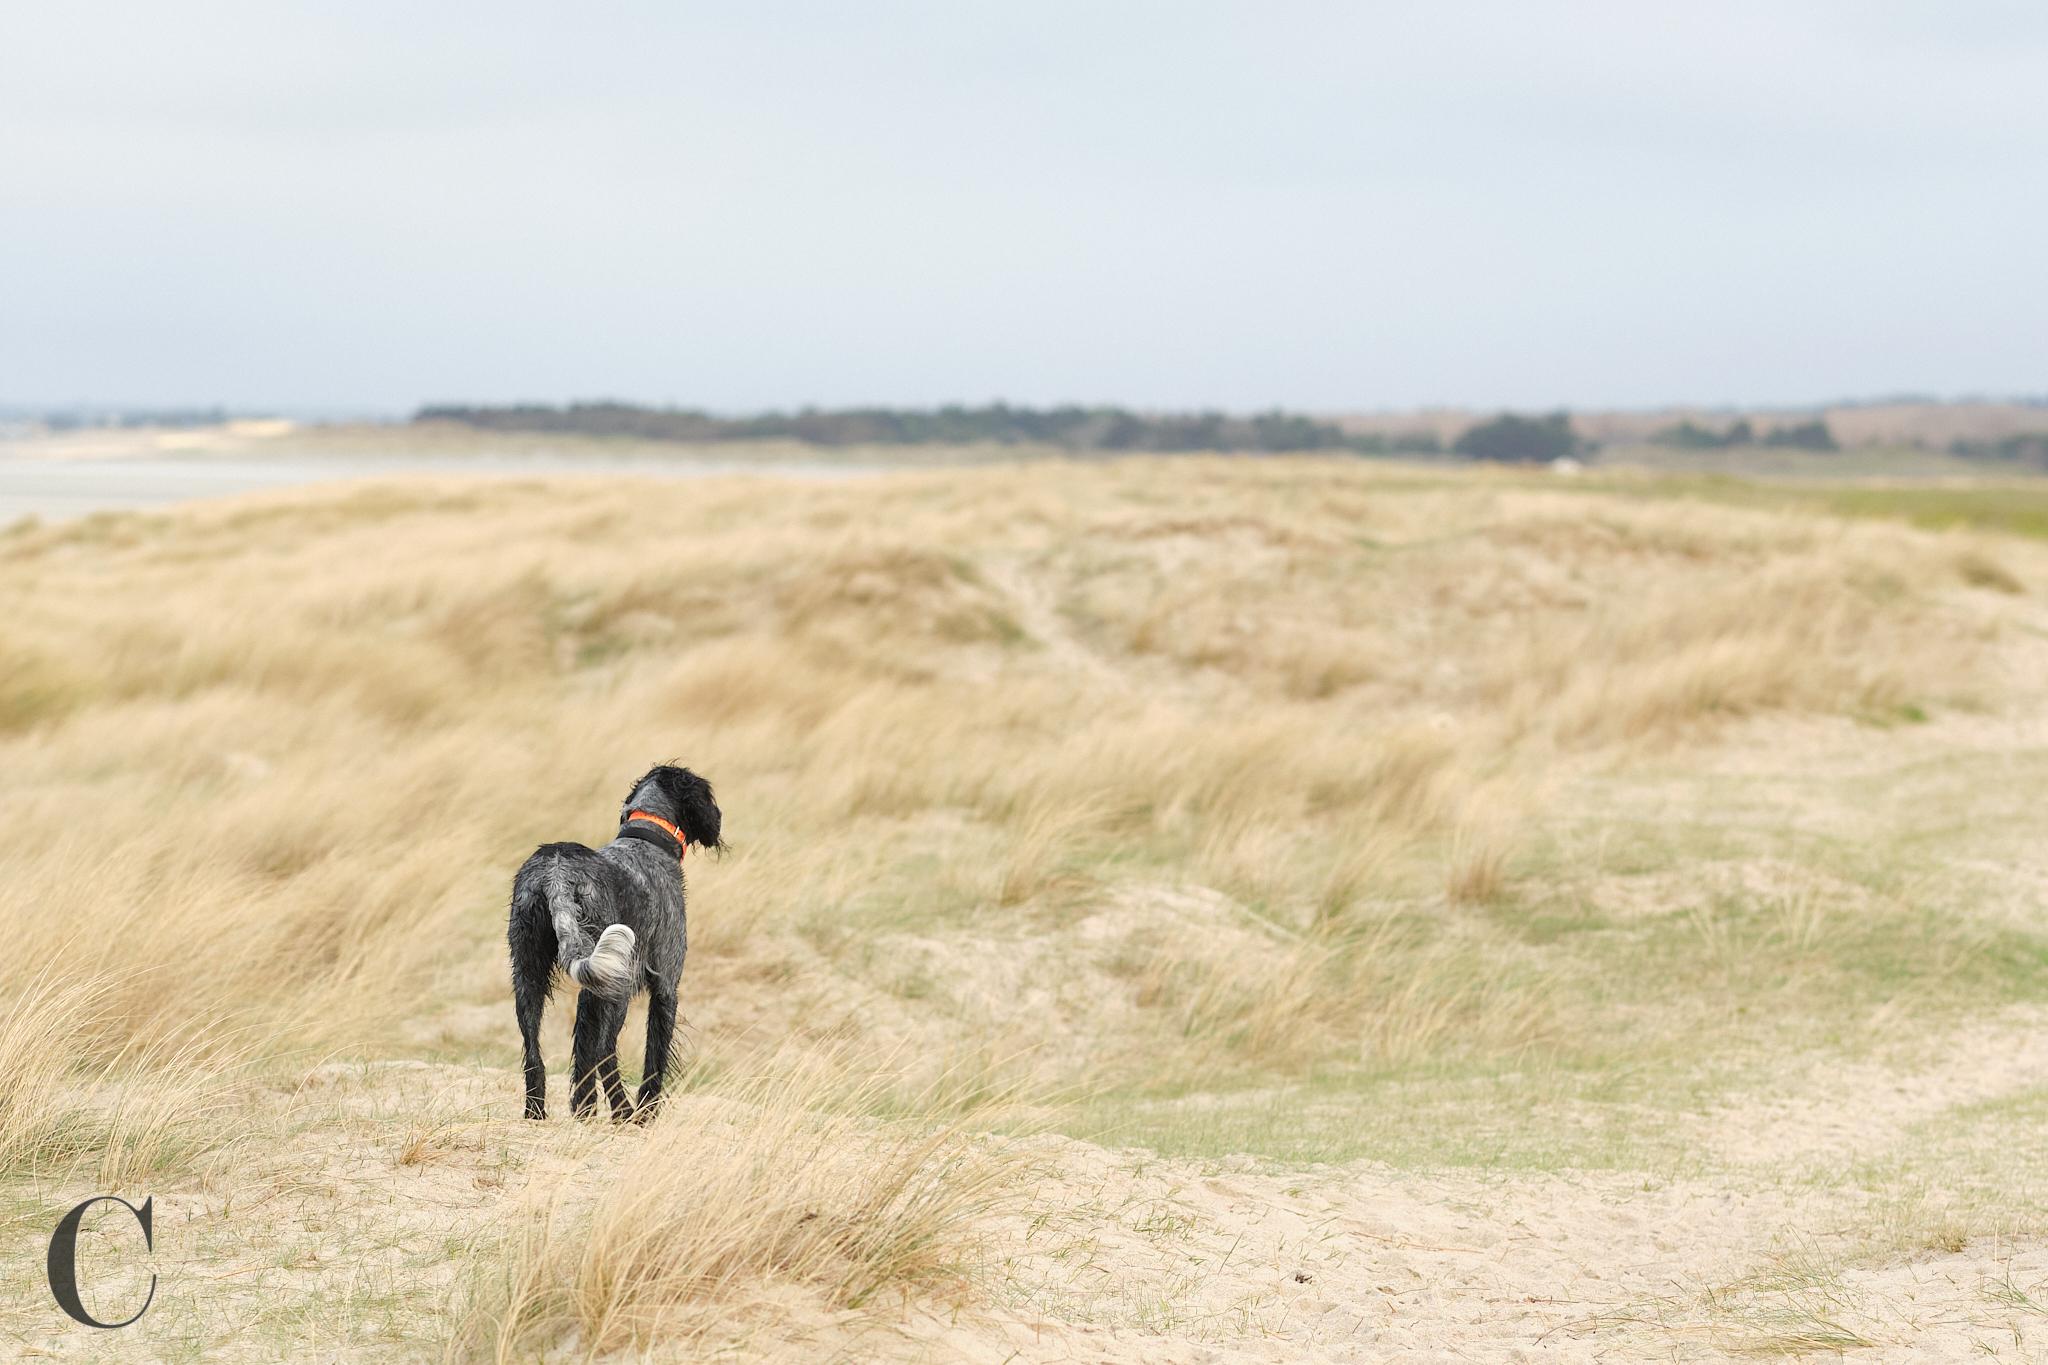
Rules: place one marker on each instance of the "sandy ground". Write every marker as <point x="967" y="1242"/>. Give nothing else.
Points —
<point x="384" y="1171"/>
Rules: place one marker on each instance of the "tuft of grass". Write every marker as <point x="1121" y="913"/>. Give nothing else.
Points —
<point x="1376" y="993"/>
<point x="743" y="1189"/>
<point x="119" y="1117"/>
<point x="33" y="690"/>
<point x="1977" y="568"/>
<point x="1046" y="849"/>
<point x="1478" y="871"/>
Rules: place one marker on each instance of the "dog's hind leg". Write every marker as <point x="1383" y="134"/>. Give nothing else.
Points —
<point x="596" y="1066"/>
<point x="533" y="967"/>
<point x="591" y="1026"/>
<point x="528" y="1004"/>
<point x="661" y="1031"/>
<point x="608" y="1066"/>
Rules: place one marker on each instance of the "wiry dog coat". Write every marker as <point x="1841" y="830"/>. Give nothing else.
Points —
<point x="612" y="919"/>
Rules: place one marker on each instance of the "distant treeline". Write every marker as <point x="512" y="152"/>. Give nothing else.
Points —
<point x="1509" y="437"/>
<point x="2026" y="448"/>
<point x="1796" y="436"/>
<point x="89" y="419"/>
<point x="1067" y="428"/>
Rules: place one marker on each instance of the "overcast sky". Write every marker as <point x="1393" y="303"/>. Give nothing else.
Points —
<point x="1326" y="206"/>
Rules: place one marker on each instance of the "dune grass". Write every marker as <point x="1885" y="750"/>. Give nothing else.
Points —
<point x="2015" y="505"/>
<point x="791" y="1178"/>
<point x="1217" y="778"/>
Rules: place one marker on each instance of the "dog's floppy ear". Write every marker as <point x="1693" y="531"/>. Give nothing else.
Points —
<point x="697" y="812"/>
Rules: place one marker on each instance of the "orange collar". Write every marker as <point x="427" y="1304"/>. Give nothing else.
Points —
<point x="682" y="844"/>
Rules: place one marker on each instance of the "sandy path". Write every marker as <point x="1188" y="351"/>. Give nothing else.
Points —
<point x="1834" y="1112"/>
<point x="1368" y="1264"/>
<point x="1133" y="1258"/>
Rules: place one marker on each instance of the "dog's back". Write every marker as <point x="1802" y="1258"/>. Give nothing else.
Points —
<point x="564" y="889"/>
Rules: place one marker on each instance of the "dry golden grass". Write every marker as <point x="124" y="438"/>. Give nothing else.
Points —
<point x="760" y="1186"/>
<point x="1205" y="739"/>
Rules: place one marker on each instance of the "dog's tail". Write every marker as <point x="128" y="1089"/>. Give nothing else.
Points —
<point x="606" y="966"/>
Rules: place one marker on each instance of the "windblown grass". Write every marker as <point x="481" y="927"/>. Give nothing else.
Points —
<point x="321" y="728"/>
<point x="72" y="1109"/>
<point x="789" y="1179"/>
<point x="1147" y="777"/>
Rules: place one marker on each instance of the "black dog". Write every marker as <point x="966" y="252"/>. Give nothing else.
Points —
<point x="630" y="895"/>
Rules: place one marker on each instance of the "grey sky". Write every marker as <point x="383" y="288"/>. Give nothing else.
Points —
<point x="1324" y="206"/>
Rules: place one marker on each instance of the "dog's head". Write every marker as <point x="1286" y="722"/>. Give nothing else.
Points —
<point x="680" y="797"/>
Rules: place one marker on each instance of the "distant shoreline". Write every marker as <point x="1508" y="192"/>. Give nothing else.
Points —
<point x="67" y="474"/>
<point x="75" y="480"/>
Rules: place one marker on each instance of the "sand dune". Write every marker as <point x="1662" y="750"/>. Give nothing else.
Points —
<point x="1199" y="910"/>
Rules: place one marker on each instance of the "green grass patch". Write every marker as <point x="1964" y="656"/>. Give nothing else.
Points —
<point x="1541" y="1118"/>
<point x="2017" y="508"/>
